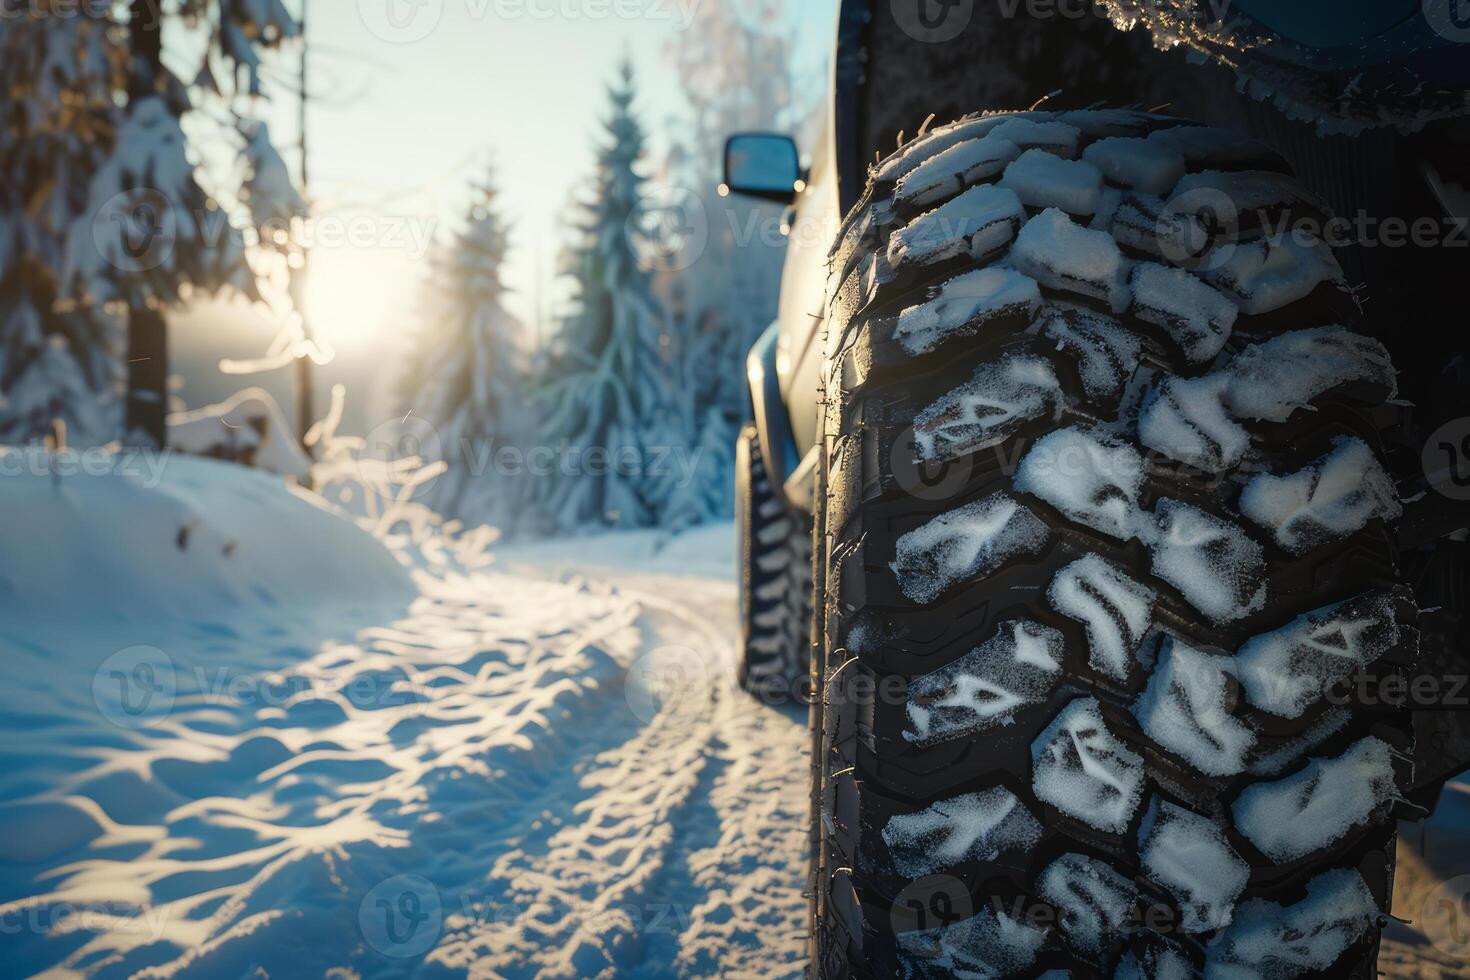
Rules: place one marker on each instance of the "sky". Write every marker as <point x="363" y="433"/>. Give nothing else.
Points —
<point x="410" y="102"/>
<point x="415" y="99"/>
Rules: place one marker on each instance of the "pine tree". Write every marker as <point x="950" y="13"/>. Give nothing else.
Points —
<point x="102" y="212"/>
<point x="712" y="371"/>
<point x="610" y="387"/>
<point x="58" y="74"/>
<point x="467" y="375"/>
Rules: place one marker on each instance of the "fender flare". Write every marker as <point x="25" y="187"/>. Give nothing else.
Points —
<point x="768" y="410"/>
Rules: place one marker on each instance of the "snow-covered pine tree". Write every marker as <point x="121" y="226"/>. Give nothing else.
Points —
<point x="712" y="371"/>
<point x="57" y="361"/>
<point x="103" y="211"/>
<point x="467" y="375"/>
<point x="609" y="385"/>
<point x="150" y="188"/>
<point x="735" y="70"/>
<point x="102" y="214"/>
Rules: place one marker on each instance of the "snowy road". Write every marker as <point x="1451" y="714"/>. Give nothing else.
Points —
<point x="677" y="850"/>
<point x="265" y="751"/>
<point x="525" y="773"/>
<point x="1431" y="885"/>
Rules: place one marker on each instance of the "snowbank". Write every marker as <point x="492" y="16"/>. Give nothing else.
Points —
<point x="147" y="537"/>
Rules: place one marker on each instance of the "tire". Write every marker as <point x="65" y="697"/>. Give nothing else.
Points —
<point x="775" y="581"/>
<point x="1076" y="708"/>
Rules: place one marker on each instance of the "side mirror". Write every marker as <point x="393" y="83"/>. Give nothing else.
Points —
<point x="764" y="165"/>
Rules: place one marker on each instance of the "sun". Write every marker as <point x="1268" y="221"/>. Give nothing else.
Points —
<point x="361" y="297"/>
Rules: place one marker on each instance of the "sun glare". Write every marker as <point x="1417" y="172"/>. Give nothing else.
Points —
<point x="360" y="297"/>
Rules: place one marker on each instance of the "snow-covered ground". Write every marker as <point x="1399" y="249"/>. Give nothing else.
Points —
<point x="704" y="552"/>
<point x="239" y="737"/>
<point x="1431" y="895"/>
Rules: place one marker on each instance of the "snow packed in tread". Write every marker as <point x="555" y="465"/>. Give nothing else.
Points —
<point x="973" y="827"/>
<point x="1084" y="771"/>
<point x="1018" y="667"/>
<point x="964" y="544"/>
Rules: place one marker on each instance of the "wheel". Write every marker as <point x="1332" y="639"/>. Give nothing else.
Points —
<point x="775" y="580"/>
<point x="1104" y="535"/>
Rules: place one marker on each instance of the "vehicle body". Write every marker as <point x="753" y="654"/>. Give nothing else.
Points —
<point x="783" y="369"/>
<point x="1366" y="103"/>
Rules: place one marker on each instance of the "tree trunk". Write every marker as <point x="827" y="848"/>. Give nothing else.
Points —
<point x="147" y="374"/>
<point x="147" y="329"/>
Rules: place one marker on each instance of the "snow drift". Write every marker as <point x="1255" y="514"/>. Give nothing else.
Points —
<point x="146" y="536"/>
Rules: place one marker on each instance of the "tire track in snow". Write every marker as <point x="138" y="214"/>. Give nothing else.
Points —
<point x="685" y="856"/>
<point x="747" y="916"/>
